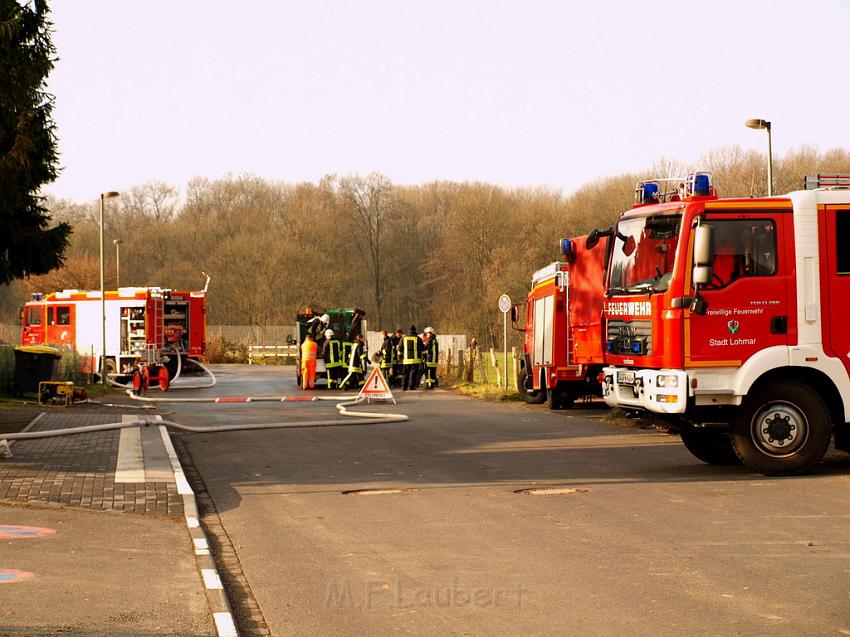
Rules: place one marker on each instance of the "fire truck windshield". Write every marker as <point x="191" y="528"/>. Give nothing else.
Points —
<point x="643" y="254"/>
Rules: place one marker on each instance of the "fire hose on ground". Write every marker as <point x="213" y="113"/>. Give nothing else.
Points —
<point x="372" y="418"/>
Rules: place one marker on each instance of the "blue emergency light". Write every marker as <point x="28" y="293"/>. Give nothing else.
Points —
<point x="650" y="192"/>
<point x="636" y="348"/>
<point x="567" y="248"/>
<point x="702" y="184"/>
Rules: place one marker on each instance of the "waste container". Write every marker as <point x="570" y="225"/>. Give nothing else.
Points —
<point x="34" y="364"/>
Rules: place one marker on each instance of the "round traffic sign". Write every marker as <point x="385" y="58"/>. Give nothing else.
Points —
<point x="505" y="303"/>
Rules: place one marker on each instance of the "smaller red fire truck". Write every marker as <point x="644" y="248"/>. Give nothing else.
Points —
<point x="562" y="354"/>
<point x="142" y="325"/>
<point x="726" y="318"/>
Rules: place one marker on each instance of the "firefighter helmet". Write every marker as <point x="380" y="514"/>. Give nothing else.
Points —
<point x="325" y="319"/>
<point x="329" y="333"/>
<point x="428" y="330"/>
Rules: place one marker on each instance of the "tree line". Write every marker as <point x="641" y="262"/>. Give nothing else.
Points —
<point x="437" y="254"/>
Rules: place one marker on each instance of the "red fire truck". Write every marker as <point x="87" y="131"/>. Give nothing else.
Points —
<point x="562" y="354"/>
<point x="151" y="325"/>
<point x="724" y="317"/>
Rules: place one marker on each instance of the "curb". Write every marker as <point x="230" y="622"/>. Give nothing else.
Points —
<point x="216" y="597"/>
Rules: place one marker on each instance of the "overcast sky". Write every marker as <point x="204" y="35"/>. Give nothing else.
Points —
<point x="516" y="93"/>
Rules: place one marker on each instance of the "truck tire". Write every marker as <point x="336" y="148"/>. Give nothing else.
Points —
<point x="526" y="390"/>
<point x="782" y="429"/>
<point x="560" y="398"/>
<point x="712" y="447"/>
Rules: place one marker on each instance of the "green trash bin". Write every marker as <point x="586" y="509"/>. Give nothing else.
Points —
<point x="34" y="364"/>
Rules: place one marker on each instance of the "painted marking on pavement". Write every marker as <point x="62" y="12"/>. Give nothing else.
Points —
<point x="211" y="579"/>
<point x="12" y="576"/>
<point x="131" y="461"/>
<point x="183" y="487"/>
<point x="16" y="532"/>
<point x="224" y="625"/>
<point x="233" y="400"/>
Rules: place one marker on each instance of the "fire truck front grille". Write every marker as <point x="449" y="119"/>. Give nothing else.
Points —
<point x="630" y="338"/>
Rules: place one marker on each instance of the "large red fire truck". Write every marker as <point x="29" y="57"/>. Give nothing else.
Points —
<point x="562" y="354"/>
<point x="149" y="325"/>
<point x="725" y="318"/>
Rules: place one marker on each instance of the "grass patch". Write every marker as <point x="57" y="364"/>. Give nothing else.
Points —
<point x="482" y="391"/>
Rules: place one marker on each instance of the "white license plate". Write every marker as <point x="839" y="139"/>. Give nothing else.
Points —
<point x="626" y="378"/>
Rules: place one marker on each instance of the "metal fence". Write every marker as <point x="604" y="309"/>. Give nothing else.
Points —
<point x="253" y="334"/>
<point x="271" y="336"/>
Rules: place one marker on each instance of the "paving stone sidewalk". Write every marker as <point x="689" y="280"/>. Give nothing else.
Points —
<point x="79" y="470"/>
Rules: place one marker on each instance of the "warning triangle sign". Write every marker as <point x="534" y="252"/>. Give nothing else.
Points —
<point x="376" y="387"/>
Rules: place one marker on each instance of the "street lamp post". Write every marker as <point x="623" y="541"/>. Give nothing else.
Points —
<point x="103" y="196"/>
<point x="117" y="243"/>
<point x="759" y="124"/>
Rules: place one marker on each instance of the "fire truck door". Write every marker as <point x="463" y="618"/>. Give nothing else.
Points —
<point x="544" y="310"/>
<point x="748" y="308"/>
<point x="32" y="332"/>
<point x="835" y="274"/>
<point x="60" y="325"/>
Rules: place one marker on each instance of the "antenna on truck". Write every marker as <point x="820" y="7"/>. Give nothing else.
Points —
<point x="207" y="282"/>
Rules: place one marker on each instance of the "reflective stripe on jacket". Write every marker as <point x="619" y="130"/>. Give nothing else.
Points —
<point x="432" y="352"/>
<point x="309" y="350"/>
<point x="332" y="353"/>
<point x="412" y="350"/>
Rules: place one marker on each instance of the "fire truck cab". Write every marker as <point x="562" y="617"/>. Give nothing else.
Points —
<point x="724" y="318"/>
<point x="562" y="354"/>
<point x="150" y="324"/>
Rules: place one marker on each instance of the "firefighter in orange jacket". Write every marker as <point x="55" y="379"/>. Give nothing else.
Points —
<point x="309" y="350"/>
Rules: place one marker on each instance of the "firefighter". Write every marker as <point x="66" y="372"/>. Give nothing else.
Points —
<point x="357" y="364"/>
<point x="347" y="346"/>
<point x="332" y="355"/>
<point x="308" y="363"/>
<point x="431" y="357"/>
<point x="397" y="366"/>
<point x="411" y="359"/>
<point x="316" y="327"/>
<point x="388" y="356"/>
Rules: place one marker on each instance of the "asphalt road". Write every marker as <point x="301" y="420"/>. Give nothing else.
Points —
<point x="643" y="539"/>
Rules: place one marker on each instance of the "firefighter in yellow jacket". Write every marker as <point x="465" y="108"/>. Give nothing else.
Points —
<point x="431" y="356"/>
<point x="357" y="364"/>
<point x="332" y="355"/>
<point x="411" y="359"/>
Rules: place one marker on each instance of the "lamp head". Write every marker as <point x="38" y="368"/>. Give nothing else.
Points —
<point x="110" y="194"/>
<point x="758" y="124"/>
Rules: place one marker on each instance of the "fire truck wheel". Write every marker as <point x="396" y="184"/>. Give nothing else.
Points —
<point x="138" y="382"/>
<point x="164" y="378"/>
<point x="527" y="392"/>
<point x="712" y="447"/>
<point x="560" y="398"/>
<point x="782" y="429"/>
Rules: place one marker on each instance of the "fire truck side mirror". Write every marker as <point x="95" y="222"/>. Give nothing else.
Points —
<point x="592" y="239"/>
<point x="514" y="314"/>
<point x="702" y="275"/>
<point x="702" y="246"/>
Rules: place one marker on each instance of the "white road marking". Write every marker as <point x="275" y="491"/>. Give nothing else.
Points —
<point x="224" y="625"/>
<point x="211" y="579"/>
<point x="131" y="463"/>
